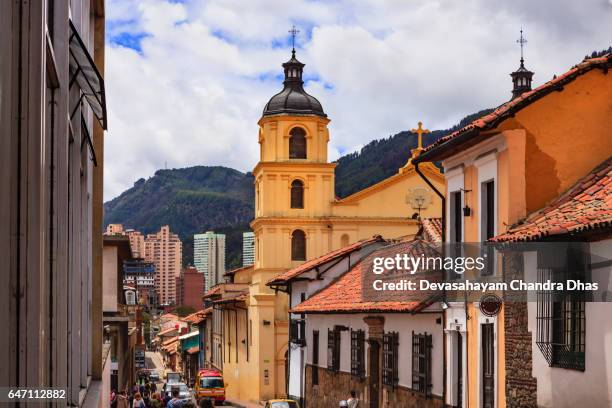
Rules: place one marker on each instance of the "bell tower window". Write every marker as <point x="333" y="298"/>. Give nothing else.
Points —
<point x="297" y="194"/>
<point x="297" y="143"/>
<point x="298" y="246"/>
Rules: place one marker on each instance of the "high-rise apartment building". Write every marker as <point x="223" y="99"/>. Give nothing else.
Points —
<point x="137" y="243"/>
<point x="137" y="239"/>
<point x="165" y="250"/>
<point x="209" y="257"/>
<point x="248" y="248"/>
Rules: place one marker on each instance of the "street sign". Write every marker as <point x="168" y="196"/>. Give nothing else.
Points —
<point x="139" y="356"/>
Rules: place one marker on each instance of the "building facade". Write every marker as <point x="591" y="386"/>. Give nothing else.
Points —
<point x="248" y="248"/>
<point x="165" y="250"/>
<point x="190" y="288"/>
<point x="51" y="150"/>
<point x="297" y="217"/>
<point x="209" y="257"/>
<point x="502" y="167"/>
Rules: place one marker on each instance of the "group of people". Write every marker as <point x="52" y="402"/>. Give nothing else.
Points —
<point x="144" y="395"/>
<point x="147" y="396"/>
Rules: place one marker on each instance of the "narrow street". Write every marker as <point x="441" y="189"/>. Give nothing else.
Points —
<point x="154" y="361"/>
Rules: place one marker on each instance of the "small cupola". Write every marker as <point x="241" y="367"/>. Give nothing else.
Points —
<point x="521" y="78"/>
<point x="293" y="99"/>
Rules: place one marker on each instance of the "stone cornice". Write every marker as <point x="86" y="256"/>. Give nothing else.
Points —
<point x="275" y="221"/>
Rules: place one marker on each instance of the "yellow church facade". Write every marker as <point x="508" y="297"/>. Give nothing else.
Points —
<point x="297" y="218"/>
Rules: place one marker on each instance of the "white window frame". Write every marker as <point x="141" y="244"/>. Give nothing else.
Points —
<point x="487" y="171"/>
<point x="455" y="181"/>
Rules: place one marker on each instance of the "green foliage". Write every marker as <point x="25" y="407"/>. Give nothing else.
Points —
<point x="190" y="200"/>
<point x="198" y="199"/>
<point x="182" y="311"/>
<point x="382" y="158"/>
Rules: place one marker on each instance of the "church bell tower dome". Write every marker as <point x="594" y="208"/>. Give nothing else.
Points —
<point x="293" y="99"/>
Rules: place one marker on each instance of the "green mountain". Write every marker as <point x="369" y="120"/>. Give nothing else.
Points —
<point x="200" y="198"/>
<point x="190" y="200"/>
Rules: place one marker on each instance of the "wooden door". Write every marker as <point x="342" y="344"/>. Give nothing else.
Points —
<point x="488" y="366"/>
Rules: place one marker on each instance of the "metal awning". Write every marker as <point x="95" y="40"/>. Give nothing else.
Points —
<point x="83" y="70"/>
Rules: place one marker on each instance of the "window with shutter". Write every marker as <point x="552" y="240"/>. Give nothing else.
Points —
<point x="333" y="350"/>
<point x="390" y="371"/>
<point x="297" y="143"/>
<point x="358" y="353"/>
<point x="297" y="194"/>
<point x="298" y="246"/>
<point x="421" y="363"/>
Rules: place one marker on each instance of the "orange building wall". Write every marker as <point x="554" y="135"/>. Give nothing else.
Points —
<point x="568" y="134"/>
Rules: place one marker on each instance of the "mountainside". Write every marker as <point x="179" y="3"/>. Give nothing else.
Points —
<point x="200" y="198"/>
<point x="190" y="200"/>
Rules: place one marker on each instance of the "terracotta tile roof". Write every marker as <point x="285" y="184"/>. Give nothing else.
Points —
<point x="215" y="290"/>
<point x="195" y="318"/>
<point x="345" y="295"/>
<point x="170" y="341"/>
<point x="234" y="297"/>
<point x="285" y="277"/>
<point x="509" y="109"/>
<point x="586" y="206"/>
<point x="167" y="331"/>
<point x="432" y="228"/>
<point x="168" y="316"/>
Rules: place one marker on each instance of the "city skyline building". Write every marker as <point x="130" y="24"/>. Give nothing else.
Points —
<point x="209" y="257"/>
<point x="248" y="248"/>
<point x="189" y="288"/>
<point x="165" y="250"/>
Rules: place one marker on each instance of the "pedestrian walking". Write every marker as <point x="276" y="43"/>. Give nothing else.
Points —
<point x="156" y="401"/>
<point x="113" y="398"/>
<point x="138" y="401"/>
<point x="353" y="401"/>
<point x="122" y="400"/>
<point x="175" y="402"/>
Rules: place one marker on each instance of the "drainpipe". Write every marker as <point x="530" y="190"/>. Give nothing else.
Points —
<point x="440" y="194"/>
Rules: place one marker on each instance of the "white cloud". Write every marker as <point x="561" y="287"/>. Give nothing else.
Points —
<point x="194" y="93"/>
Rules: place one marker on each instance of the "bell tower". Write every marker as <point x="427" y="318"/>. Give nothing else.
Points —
<point x="521" y="78"/>
<point x="294" y="191"/>
<point x="293" y="179"/>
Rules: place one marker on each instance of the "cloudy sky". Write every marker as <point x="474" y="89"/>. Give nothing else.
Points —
<point x="187" y="80"/>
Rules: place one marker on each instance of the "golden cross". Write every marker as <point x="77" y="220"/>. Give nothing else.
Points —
<point x="419" y="131"/>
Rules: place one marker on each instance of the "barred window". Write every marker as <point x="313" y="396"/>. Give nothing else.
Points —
<point x="333" y="349"/>
<point x="297" y="143"/>
<point x="358" y="353"/>
<point x="421" y="363"/>
<point x="390" y="369"/>
<point x="561" y="320"/>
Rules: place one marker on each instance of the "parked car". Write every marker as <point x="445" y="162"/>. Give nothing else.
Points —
<point x="184" y="393"/>
<point x="173" y="378"/>
<point x="154" y="376"/>
<point x="209" y="384"/>
<point x="282" y="403"/>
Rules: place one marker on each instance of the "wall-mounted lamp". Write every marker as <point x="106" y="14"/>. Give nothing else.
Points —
<point x="444" y="305"/>
<point x="467" y="211"/>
